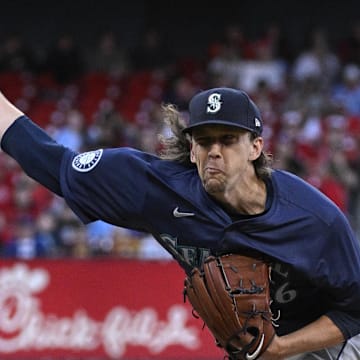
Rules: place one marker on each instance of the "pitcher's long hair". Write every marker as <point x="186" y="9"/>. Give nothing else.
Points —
<point x="177" y="146"/>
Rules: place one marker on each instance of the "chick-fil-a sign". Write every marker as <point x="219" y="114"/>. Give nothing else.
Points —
<point x="98" y="308"/>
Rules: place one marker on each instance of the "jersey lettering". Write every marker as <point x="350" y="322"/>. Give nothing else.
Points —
<point x="284" y="295"/>
<point x="194" y="256"/>
<point x="281" y="293"/>
<point x="280" y="269"/>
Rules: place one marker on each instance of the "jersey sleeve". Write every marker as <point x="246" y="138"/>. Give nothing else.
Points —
<point x="35" y="151"/>
<point x="108" y="185"/>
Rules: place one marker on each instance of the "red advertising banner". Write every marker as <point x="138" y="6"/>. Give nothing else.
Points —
<point x="98" y="309"/>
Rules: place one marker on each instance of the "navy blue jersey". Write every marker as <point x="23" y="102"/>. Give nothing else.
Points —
<point x="315" y="256"/>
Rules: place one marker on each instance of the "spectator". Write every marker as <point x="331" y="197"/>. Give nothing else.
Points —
<point x="72" y="131"/>
<point x="180" y="91"/>
<point x="317" y="61"/>
<point x="25" y="244"/>
<point x="80" y="248"/>
<point x="67" y="228"/>
<point x="99" y="236"/>
<point x="109" y="57"/>
<point x="285" y="157"/>
<point x="15" y="56"/>
<point x="232" y="41"/>
<point x="346" y="94"/>
<point x="126" y="243"/>
<point x="264" y="67"/>
<point x="64" y="60"/>
<point x="46" y="233"/>
<point x="152" y="52"/>
<point x="280" y="47"/>
<point x="23" y="202"/>
<point x="108" y="128"/>
<point x="225" y="54"/>
<point x="349" y="46"/>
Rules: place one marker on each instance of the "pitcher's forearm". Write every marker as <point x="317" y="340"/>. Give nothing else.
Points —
<point x="320" y="334"/>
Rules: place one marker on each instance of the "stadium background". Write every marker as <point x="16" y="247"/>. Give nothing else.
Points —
<point x="191" y="26"/>
<point x="36" y="226"/>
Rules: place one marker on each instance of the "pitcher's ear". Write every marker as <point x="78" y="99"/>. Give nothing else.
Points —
<point x="257" y="148"/>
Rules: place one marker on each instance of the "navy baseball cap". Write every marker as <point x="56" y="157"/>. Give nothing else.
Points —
<point x="224" y="106"/>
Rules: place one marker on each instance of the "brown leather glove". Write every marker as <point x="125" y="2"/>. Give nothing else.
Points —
<point x="231" y="295"/>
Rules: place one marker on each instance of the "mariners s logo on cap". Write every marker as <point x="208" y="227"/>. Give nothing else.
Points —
<point x="214" y="103"/>
<point x="224" y="106"/>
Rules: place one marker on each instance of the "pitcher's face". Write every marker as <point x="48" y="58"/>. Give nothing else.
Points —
<point x="223" y="155"/>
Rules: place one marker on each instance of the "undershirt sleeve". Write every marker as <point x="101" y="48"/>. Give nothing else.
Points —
<point x="348" y="325"/>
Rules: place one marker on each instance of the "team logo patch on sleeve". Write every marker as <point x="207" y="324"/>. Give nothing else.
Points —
<point x="87" y="161"/>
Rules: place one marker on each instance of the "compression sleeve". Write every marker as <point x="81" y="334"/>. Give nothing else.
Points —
<point x="35" y="151"/>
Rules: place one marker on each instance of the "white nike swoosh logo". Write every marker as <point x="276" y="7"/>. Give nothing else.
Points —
<point x="256" y="353"/>
<point x="179" y="214"/>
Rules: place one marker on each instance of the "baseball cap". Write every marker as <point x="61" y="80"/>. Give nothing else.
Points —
<point x="224" y="106"/>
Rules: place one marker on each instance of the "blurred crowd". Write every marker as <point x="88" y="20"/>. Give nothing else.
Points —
<point x="111" y="96"/>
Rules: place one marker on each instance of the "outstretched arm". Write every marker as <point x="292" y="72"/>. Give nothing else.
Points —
<point x="8" y="114"/>
<point x="35" y="151"/>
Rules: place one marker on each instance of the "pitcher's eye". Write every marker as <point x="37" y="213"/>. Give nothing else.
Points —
<point x="203" y="141"/>
<point x="229" y="139"/>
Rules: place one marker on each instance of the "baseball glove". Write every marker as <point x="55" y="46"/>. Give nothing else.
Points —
<point x="231" y="295"/>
